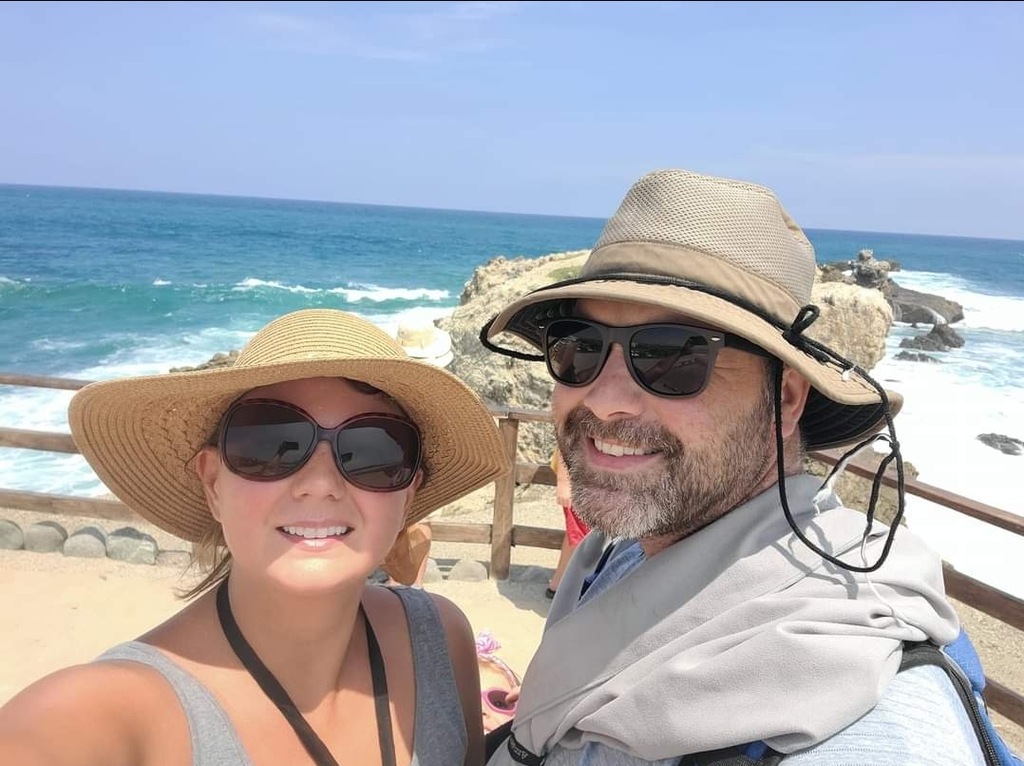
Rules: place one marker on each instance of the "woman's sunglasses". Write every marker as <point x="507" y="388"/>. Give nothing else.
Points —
<point x="266" y="440"/>
<point x="671" y="360"/>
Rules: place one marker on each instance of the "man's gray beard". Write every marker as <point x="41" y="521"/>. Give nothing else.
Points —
<point x="690" y="489"/>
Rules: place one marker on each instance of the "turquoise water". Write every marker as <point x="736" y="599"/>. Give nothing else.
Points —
<point x="99" y="284"/>
<point x="89" y="278"/>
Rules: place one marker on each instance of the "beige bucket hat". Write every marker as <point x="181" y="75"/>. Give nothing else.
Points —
<point x="726" y="254"/>
<point x="425" y="340"/>
<point x="140" y="434"/>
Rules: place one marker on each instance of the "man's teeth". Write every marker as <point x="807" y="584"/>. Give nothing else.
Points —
<point x="315" y="533"/>
<point x="618" y="450"/>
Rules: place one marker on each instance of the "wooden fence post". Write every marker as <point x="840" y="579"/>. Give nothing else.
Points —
<point x="504" y="495"/>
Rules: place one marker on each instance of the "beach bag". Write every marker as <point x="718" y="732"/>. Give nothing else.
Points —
<point x="961" y="663"/>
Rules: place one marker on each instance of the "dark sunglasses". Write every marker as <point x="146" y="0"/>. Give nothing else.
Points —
<point x="266" y="440"/>
<point x="672" y="360"/>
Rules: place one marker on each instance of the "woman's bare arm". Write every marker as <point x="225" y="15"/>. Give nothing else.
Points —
<point x="96" y="714"/>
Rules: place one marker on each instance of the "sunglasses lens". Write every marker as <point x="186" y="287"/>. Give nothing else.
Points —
<point x="671" y="361"/>
<point x="379" y="453"/>
<point x="498" y="700"/>
<point x="575" y="351"/>
<point x="266" y="441"/>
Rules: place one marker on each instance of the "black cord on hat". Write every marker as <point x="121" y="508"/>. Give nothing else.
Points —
<point x="795" y="337"/>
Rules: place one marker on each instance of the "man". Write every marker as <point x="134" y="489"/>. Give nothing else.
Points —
<point x="726" y="600"/>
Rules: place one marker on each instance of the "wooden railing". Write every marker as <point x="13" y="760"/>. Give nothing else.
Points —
<point x="502" y="534"/>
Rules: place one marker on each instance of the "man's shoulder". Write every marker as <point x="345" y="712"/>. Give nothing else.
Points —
<point x="920" y="719"/>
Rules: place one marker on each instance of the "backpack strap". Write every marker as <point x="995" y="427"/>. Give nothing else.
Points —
<point x="754" y="754"/>
<point x="916" y="654"/>
<point x="495" y="738"/>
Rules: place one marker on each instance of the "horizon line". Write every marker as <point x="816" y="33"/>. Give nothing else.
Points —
<point x="455" y="210"/>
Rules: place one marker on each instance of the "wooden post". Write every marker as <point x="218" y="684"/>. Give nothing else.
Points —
<point x="504" y="496"/>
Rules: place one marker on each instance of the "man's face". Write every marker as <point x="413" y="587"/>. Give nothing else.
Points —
<point x="643" y="466"/>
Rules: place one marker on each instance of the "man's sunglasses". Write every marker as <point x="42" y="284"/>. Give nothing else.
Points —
<point x="671" y="360"/>
<point x="266" y="440"/>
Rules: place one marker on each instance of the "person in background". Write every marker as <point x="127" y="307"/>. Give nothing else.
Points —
<point x="406" y="563"/>
<point x="575" y="528"/>
<point x="293" y="471"/>
<point x="726" y="607"/>
<point x="499" y="684"/>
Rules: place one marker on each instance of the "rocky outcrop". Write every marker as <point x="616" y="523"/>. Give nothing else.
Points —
<point x="909" y="306"/>
<point x="914" y="307"/>
<point x="1005" y="444"/>
<point x="912" y="356"/>
<point x="217" y="360"/>
<point x="863" y="271"/>
<point x="941" y="337"/>
<point x="854" y="321"/>
<point x="500" y="380"/>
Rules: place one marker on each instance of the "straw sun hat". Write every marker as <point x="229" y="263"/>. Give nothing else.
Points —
<point x="139" y="434"/>
<point x="726" y="254"/>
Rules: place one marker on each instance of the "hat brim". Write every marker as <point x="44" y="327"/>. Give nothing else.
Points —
<point x="842" y="406"/>
<point x="437" y="360"/>
<point x="140" y="434"/>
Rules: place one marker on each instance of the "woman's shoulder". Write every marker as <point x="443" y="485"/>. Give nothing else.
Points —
<point x="121" y="686"/>
<point x="452" y="616"/>
<point x="419" y="610"/>
<point x="103" y="712"/>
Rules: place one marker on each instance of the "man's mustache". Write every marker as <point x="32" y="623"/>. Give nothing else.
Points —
<point x="582" y="423"/>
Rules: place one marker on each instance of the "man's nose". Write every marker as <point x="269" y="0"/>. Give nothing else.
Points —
<point x="614" y="393"/>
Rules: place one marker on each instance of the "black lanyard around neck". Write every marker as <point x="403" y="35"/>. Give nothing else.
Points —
<point x="272" y="688"/>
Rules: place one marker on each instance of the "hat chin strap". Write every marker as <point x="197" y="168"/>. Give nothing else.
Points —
<point x="833" y="476"/>
<point x="485" y="341"/>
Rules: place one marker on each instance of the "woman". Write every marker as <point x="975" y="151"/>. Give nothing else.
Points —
<point x="296" y="468"/>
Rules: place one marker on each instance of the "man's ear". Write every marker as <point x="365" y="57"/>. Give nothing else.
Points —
<point x="207" y="468"/>
<point x="795" y="390"/>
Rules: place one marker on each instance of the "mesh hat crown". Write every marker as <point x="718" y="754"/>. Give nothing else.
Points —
<point x="726" y="254"/>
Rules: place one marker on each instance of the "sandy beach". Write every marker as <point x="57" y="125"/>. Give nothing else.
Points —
<point x="64" y="610"/>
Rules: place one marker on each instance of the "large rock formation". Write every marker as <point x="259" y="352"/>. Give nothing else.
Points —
<point x="909" y="306"/>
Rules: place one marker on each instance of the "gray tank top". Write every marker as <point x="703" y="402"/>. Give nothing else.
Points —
<point x="439" y="739"/>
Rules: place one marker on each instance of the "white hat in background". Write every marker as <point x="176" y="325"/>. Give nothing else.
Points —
<point x="424" y="340"/>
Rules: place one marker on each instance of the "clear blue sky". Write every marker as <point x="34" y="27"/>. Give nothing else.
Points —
<point x="901" y="117"/>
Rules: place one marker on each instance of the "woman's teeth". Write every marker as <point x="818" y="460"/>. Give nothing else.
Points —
<point x="316" y="533"/>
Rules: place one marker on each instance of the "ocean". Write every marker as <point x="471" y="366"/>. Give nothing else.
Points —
<point x="98" y="284"/>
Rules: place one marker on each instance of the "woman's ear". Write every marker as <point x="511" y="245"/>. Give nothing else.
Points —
<point x="207" y="468"/>
<point x="416" y="486"/>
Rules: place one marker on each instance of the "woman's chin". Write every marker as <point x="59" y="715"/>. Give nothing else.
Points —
<point x="311" y="575"/>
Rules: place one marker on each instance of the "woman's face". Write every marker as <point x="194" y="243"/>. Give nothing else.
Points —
<point x="312" y="528"/>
